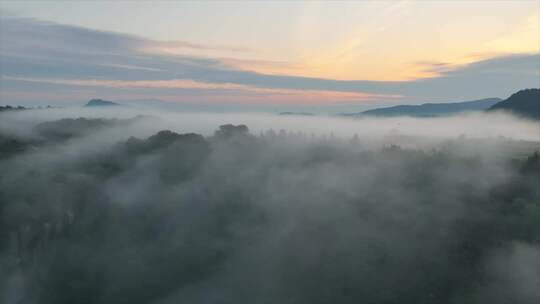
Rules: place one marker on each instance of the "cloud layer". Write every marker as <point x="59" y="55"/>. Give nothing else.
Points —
<point x="72" y="58"/>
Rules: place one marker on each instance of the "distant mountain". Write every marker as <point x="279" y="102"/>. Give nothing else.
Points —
<point x="525" y="103"/>
<point x="431" y="109"/>
<point x="20" y="108"/>
<point x="296" y="114"/>
<point x="101" y="103"/>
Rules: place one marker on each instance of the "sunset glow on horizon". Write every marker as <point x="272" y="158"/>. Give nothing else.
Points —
<point x="390" y="48"/>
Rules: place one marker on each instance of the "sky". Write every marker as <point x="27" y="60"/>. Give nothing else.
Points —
<point x="267" y="55"/>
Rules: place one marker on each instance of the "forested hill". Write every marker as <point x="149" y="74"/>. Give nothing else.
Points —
<point x="100" y="103"/>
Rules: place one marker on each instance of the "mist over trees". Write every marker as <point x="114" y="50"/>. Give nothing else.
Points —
<point x="277" y="217"/>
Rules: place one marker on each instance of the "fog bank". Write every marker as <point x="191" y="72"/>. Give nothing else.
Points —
<point x="112" y="209"/>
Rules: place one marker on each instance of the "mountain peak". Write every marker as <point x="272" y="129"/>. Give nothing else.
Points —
<point x="525" y="102"/>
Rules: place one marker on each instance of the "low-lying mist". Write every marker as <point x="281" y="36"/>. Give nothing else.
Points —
<point x="111" y="206"/>
<point x="473" y="124"/>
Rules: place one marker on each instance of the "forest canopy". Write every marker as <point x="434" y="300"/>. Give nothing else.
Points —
<point x="275" y="217"/>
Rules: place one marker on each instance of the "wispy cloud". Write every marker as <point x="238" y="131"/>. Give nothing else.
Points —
<point x="434" y="67"/>
<point x="173" y="47"/>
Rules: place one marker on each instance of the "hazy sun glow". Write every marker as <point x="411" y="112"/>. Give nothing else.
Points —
<point x="381" y="41"/>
